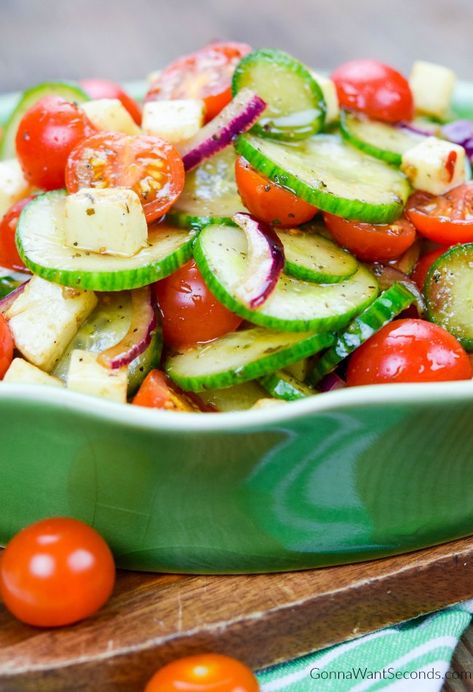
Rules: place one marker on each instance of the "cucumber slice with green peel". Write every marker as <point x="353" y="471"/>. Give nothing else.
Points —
<point x="281" y="385"/>
<point x="331" y="175"/>
<point x="295" y="102"/>
<point x="141" y="366"/>
<point x="66" y="90"/>
<point x="383" y="141"/>
<point x="240" y="397"/>
<point x="40" y="235"/>
<point x="210" y="193"/>
<point x="7" y="285"/>
<point x="311" y="257"/>
<point x="294" y="305"/>
<point x="448" y="291"/>
<point x="241" y="356"/>
<point x="383" y="310"/>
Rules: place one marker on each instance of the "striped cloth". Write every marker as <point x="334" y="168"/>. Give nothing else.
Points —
<point x="414" y="656"/>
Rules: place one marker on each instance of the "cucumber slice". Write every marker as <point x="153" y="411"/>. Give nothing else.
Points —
<point x="311" y="257"/>
<point x="331" y="175"/>
<point x="281" y="385"/>
<point x="7" y="285"/>
<point x="296" y="106"/>
<point x="448" y="291"/>
<point x="294" y="305"/>
<point x="210" y="194"/>
<point x="378" y="139"/>
<point x="241" y="397"/>
<point x="40" y="244"/>
<point x="384" y="309"/>
<point x="67" y="90"/>
<point x="241" y="356"/>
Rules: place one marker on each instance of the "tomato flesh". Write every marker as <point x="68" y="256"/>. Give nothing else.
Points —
<point x="6" y="346"/>
<point x="106" y="89"/>
<point x="445" y="219"/>
<point x="157" y="391"/>
<point x="409" y="350"/>
<point x="204" y="673"/>
<point x="422" y="267"/>
<point x="372" y="242"/>
<point x="270" y="202"/>
<point x="190" y="312"/>
<point x="9" y="257"/>
<point x="205" y="74"/>
<point x="375" y="89"/>
<point x="148" y="165"/>
<point x="46" y="135"/>
<point x="56" y="572"/>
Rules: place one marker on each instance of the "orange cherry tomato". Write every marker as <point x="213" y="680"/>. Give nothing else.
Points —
<point x="9" y="257"/>
<point x="372" y="242"/>
<point x="157" y="391"/>
<point x="205" y="74"/>
<point x="148" y="165"/>
<point x="204" y="673"/>
<point x="56" y="572"/>
<point x="409" y="350"/>
<point x="445" y="219"/>
<point x="106" y="89"/>
<point x="375" y="89"/>
<point x="270" y="202"/>
<point x="190" y="312"/>
<point x="422" y="267"/>
<point x="6" y="346"/>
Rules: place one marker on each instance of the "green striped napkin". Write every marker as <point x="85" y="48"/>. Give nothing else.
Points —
<point x="413" y="656"/>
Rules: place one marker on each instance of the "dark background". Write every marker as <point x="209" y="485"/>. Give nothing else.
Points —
<point x="126" y="39"/>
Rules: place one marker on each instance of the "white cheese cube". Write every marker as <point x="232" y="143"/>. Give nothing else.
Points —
<point x="329" y="92"/>
<point x="109" y="221"/>
<point x="22" y="372"/>
<point x="110" y="115"/>
<point x="87" y="376"/>
<point x="175" y="121"/>
<point x="434" y="165"/>
<point x="13" y="185"/>
<point x="432" y="88"/>
<point x="45" y="317"/>
<point x="267" y="403"/>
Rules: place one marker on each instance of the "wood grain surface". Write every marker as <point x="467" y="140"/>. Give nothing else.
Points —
<point x="262" y="619"/>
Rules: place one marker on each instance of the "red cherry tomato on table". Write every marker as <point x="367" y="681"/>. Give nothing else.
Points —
<point x="409" y="350"/>
<point x="148" y="165"/>
<point x="190" y="312"/>
<point x="270" y="202"/>
<point x="375" y="89"/>
<point x="206" y="74"/>
<point x="445" y="219"/>
<point x="6" y="347"/>
<point x="372" y="242"/>
<point x="204" y="673"/>
<point x="56" y="572"/>
<point x="106" y="89"/>
<point x="422" y="267"/>
<point x="9" y="257"/>
<point x="46" y="135"/>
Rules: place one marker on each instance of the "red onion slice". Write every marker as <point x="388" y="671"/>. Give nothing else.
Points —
<point x="239" y="116"/>
<point x="139" y="335"/>
<point x="387" y="276"/>
<point x="460" y="132"/>
<point x="265" y="260"/>
<point x="416" y="129"/>
<point x="8" y="300"/>
<point x="331" y="382"/>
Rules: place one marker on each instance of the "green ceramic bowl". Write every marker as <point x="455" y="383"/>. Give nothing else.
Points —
<point x="351" y="475"/>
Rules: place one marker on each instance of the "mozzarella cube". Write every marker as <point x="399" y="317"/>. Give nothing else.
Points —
<point x="267" y="403"/>
<point x="329" y="92"/>
<point x="13" y="185"/>
<point x="22" y="372"/>
<point x="45" y="317"/>
<point x="432" y="88"/>
<point x="434" y="165"/>
<point x="87" y="376"/>
<point x="175" y="121"/>
<point x="109" y="221"/>
<point x="111" y="115"/>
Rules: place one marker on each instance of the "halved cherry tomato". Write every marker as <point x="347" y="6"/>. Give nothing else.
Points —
<point x="445" y="219"/>
<point x="190" y="312"/>
<point x="422" y="267"/>
<point x="157" y="391"/>
<point x="270" y="202"/>
<point x="56" y="572"/>
<point x="148" y="165"/>
<point x="47" y="134"/>
<point x="409" y="350"/>
<point x="9" y="257"/>
<point x="205" y="74"/>
<point x="375" y="89"/>
<point x="6" y="346"/>
<point x="372" y="242"/>
<point x="106" y="89"/>
<point x="204" y="673"/>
